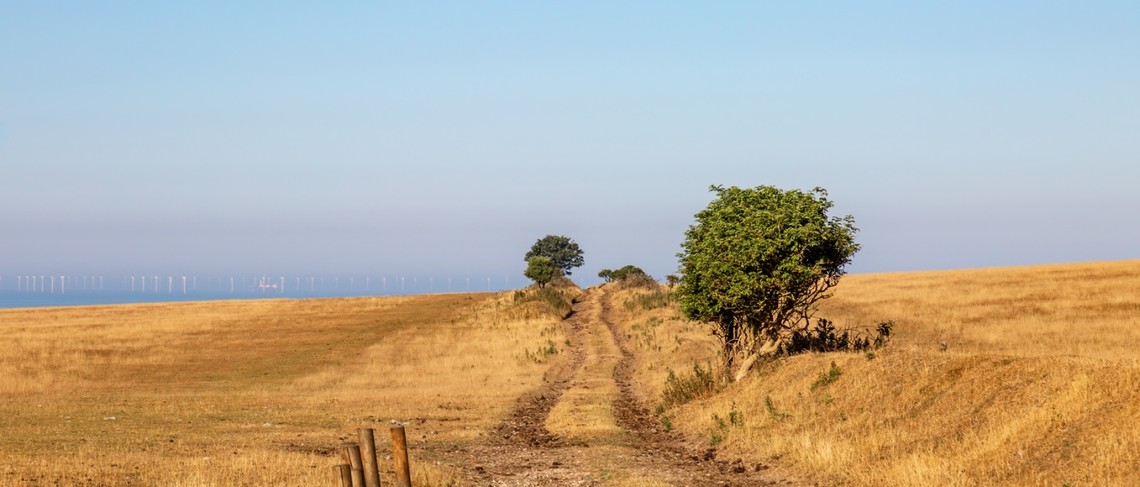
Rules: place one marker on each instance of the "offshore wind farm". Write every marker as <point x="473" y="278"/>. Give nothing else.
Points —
<point x="43" y="290"/>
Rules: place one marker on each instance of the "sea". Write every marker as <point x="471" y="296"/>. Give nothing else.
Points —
<point x="93" y="292"/>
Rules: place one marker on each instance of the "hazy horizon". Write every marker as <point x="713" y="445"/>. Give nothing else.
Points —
<point x="443" y="140"/>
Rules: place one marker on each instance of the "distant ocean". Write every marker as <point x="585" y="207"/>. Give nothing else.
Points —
<point x="10" y="299"/>
<point x="88" y="293"/>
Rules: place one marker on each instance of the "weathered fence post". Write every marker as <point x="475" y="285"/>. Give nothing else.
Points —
<point x="353" y="454"/>
<point x="368" y="454"/>
<point x="343" y="475"/>
<point x="400" y="456"/>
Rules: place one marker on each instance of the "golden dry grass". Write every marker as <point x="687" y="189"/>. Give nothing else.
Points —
<point x="1039" y="383"/>
<point x="1088" y="310"/>
<point x="255" y="392"/>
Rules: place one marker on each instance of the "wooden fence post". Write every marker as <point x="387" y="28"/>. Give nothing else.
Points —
<point x="400" y="456"/>
<point x="353" y="454"/>
<point x="368" y="455"/>
<point x="343" y="475"/>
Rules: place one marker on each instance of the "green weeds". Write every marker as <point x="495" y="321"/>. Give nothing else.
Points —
<point x="685" y="387"/>
<point x="825" y="378"/>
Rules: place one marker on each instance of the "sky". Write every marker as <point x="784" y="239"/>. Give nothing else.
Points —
<point x="444" y="138"/>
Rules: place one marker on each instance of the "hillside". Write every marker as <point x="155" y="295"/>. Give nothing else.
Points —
<point x="1010" y="376"/>
<point x="1014" y="376"/>
<point x="256" y="392"/>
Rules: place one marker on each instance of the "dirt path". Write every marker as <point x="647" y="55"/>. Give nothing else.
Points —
<point x="586" y="426"/>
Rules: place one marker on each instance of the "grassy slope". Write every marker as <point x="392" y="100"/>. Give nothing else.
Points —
<point x="255" y="392"/>
<point x="1039" y="382"/>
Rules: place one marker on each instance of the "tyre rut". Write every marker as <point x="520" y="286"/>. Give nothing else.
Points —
<point x="603" y="432"/>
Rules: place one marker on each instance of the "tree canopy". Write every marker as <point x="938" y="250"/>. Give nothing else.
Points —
<point x="757" y="261"/>
<point x="629" y="274"/>
<point x="563" y="252"/>
<point x="541" y="270"/>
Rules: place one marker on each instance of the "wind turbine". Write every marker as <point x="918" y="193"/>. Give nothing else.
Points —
<point x="183" y="284"/>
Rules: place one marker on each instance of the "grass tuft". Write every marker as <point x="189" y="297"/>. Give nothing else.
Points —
<point x="698" y="383"/>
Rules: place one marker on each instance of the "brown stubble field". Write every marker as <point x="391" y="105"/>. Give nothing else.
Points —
<point x="255" y="392"/>
<point x="1004" y="376"/>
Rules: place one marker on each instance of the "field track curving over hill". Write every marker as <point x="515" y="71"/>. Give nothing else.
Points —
<point x="587" y="426"/>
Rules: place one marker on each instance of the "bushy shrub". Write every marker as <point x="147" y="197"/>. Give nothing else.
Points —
<point x="824" y="337"/>
<point x="628" y="276"/>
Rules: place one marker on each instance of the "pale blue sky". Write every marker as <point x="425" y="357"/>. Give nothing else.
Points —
<point x="444" y="138"/>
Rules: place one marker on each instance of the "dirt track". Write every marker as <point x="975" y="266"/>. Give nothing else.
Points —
<point x="586" y="426"/>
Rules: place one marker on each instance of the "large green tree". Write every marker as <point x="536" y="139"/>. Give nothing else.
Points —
<point x="757" y="261"/>
<point x="562" y="251"/>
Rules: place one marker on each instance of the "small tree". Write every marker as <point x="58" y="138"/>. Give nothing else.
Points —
<point x="627" y="275"/>
<point x="757" y="261"/>
<point x="541" y="270"/>
<point x="562" y="251"/>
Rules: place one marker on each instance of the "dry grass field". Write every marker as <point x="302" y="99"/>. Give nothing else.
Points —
<point x="1005" y="376"/>
<point x="256" y="392"/>
<point x="1012" y="376"/>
